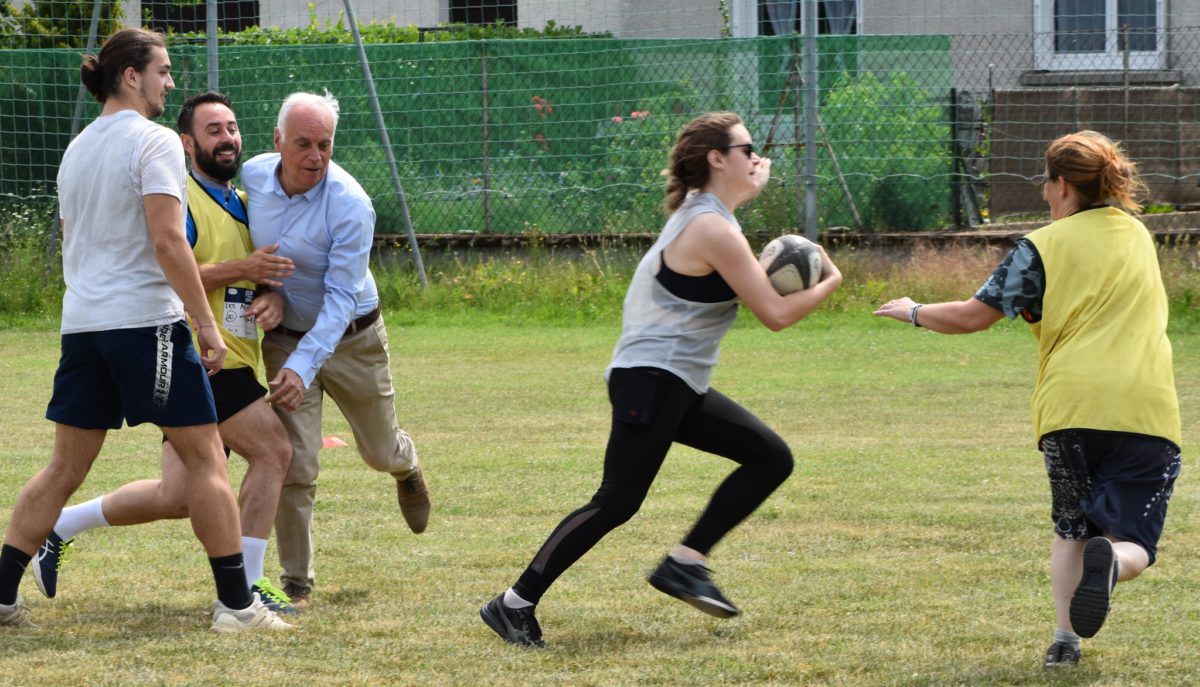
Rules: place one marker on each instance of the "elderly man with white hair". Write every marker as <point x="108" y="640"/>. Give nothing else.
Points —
<point x="332" y="339"/>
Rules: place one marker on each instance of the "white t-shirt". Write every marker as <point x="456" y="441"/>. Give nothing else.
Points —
<point x="113" y="279"/>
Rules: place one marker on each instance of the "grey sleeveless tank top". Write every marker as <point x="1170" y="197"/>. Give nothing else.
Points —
<point x="664" y="331"/>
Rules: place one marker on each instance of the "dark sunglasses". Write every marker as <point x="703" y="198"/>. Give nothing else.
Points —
<point x="748" y="147"/>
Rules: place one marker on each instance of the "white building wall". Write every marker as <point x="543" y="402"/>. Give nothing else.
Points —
<point x="954" y="17"/>
<point x="293" y="13"/>
<point x="593" y="17"/>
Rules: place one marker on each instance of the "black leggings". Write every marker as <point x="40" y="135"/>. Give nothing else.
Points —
<point x="653" y="408"/>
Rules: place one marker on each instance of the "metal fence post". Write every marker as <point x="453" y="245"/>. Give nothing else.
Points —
<point x="810" y="119"/>
<point x="956" y="163"/>
<point x="210" y="30"/>
<point x="487" y="139"/>
<point x="387" y="145"/>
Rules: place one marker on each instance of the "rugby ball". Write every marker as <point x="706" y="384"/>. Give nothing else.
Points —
<point x="792" y="263"/>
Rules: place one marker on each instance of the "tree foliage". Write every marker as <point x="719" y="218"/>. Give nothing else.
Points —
<point x="55" y="23"/>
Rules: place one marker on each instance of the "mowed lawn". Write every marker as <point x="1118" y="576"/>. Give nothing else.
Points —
<point x="909" y="547"/>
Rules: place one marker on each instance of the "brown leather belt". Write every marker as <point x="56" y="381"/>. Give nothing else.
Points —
<point x="357" y="325"/>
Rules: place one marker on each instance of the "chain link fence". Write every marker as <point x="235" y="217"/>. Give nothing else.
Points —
<point x="569" y="134"/>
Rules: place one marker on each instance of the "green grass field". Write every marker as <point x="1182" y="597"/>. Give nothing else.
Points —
<point x="909" y="547"/>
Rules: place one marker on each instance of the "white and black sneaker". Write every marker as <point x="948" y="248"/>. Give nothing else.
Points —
<point x="691" y="583"/>
<point x="514" y="625"/>
<point x="1089" y="604"/>
<point x="48" y="563"/>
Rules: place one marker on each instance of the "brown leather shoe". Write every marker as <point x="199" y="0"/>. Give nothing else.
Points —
<point x="413" y="494"/>
<point x="300" y="596"/>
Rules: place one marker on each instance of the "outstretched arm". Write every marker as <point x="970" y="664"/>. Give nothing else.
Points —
<point x="955" y="317"/>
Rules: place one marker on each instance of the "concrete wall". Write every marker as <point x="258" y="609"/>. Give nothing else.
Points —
<point x="1163" y="139"/>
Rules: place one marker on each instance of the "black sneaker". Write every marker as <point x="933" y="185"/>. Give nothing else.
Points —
<point x="1061" y="654"/>
<point x="48" y="562"/>
<point x="691" y="584"/>
<point x="514" y="625"/>
<point x="1089" y="604"/>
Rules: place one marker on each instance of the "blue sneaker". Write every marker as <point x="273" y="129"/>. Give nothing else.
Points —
<point x="273" y="597"/>
<point x="49" y="561"/>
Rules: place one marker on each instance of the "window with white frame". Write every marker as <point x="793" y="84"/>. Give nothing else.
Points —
<point x="1099" y="34"/>
<point x="782" y="17"/>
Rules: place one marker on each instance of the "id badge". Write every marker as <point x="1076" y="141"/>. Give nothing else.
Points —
<point x="237" y="300"/>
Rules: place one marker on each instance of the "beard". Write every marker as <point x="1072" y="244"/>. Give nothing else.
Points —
<point x="215" y="169"/>
<point x="154" y="109"/>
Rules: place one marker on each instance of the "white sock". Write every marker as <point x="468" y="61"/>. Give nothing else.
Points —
<point x="513" y="600"/>
<point x="81" y="518"/>
<point x="254" y="553"/>
<point x="686" y="561"/>
<point x="1067" y="638"/>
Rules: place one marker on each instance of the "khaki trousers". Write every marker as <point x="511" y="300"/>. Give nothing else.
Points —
<point x="358" y="378"/>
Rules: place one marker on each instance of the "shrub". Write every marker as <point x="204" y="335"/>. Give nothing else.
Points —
<point x="891" y="139"/>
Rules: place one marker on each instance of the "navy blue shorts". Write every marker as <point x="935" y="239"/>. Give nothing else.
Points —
<point x="144" y="374"/>
<point x="1110" y="483"/>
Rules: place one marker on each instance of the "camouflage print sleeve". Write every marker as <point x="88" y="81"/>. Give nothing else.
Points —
<point x="1017" y="285"/>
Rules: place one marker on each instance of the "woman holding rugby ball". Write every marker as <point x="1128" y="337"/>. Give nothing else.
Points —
<point x="682" y="300"/>
<point x="1105" y="411"/>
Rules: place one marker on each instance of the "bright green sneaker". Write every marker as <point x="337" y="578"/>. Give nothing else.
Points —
<point x="273" y="597"/>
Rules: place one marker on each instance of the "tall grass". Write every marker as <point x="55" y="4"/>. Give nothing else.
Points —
<point x="30" y="275"/>
<point x="571" y="286"/>
<point x="541" y="284"/>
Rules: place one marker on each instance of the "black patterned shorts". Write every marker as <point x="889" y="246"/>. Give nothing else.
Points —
<point x="1110" y="483"/>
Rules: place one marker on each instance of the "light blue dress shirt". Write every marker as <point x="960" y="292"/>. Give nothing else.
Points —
<point x="327" y="232"/>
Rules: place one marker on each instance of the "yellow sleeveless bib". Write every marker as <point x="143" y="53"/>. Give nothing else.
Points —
<point x="221" y="237"/>
<point x="1104" y="360"/>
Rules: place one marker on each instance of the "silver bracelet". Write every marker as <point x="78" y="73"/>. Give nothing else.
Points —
<point x="912" y="315"/>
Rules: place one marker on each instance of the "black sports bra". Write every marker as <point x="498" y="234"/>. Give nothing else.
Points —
<point x="709" y="288"/>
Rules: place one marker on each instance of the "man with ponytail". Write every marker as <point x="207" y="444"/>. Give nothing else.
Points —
<point x="682" y="300"/>
<point x="232" y="272"/>
<point x="127" y="353"/>
<point x="1105" y="411"/>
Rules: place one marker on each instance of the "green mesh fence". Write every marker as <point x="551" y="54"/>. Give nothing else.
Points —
<point x="930" y="114"/>
<point x="556" y="136"/>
